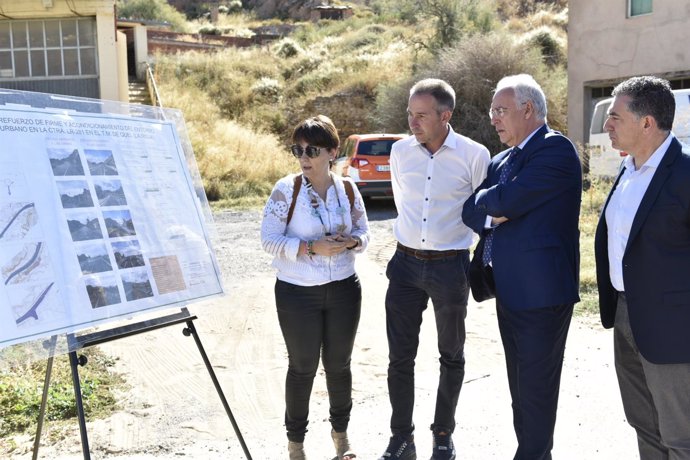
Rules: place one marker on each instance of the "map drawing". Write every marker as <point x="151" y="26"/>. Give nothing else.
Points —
<point x="28" y="263"/>
<point x="12" y="183"/>
<point x="17" y="221"/>
<point x="33" y="297"/>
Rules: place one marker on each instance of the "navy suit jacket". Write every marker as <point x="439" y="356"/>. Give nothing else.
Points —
<point x="656" y="264"/>
<point x="536" y="253"/>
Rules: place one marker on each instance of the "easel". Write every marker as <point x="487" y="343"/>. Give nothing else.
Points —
<point x="76" y="343"/>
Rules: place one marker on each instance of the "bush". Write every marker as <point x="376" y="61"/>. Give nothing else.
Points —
<point x="287" y="48"/>
<point x="267" y="90"/>
<point x="152" y="10"/>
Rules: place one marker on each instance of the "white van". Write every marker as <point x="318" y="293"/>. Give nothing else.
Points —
<point x="604" y="160"/>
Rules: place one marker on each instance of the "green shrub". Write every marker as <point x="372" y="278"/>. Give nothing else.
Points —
<point x="152" y="10"/>
<point x="287" y="48"/>
<point x="266" y="90"/>
<point x="21" y="387"/>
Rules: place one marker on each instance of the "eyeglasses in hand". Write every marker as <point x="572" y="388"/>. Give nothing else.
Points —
<point x="311" y="151"/>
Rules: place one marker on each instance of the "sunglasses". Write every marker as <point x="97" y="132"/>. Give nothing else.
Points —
<point x="310" y="150"/>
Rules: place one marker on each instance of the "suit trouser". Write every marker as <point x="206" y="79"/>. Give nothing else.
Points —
<point x="412" y="282"/>
<point x="534" y="345"/>
<point x="318" y="321"/>
<point x="656" y="397"/>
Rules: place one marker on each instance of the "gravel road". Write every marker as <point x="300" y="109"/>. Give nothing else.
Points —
<point x="171" y="410"/>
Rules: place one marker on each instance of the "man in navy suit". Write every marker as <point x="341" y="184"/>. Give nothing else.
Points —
<point x="527" y="211"/>
<point x="642" y="248"/>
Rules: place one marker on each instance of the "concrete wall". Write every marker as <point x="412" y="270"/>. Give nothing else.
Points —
<point x="606" y="47"/>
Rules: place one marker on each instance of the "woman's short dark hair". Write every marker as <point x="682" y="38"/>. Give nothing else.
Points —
<point x="649" y="96"/>
<point x="318" y="131"/>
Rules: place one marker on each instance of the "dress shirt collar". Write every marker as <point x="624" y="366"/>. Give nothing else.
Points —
<point x="450" y="141"/>
<point x="654" y="160"/>
<point x="524" y="142"/>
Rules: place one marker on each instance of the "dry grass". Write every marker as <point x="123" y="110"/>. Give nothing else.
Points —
<point x="592" y="201"/>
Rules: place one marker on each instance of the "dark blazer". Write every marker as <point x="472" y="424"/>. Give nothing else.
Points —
<point x="656" y="264"/>
<point x="535" y="256"/>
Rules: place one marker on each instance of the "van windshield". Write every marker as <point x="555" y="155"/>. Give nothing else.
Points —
<point x="599" y="117"/>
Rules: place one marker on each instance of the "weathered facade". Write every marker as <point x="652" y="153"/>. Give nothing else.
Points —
<point x="63" y="47"/>
<point x="611" y="41"/>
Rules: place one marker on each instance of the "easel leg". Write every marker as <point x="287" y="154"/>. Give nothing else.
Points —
<point x="190" y="329"/>
<point x="44" y="398"/>
<point x="74" y="362"/>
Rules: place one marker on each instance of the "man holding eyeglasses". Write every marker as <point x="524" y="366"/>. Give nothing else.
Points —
<point x="527" y="211"/>
<point x="432" y="174"/>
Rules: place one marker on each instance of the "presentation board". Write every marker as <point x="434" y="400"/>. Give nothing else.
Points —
<point x="102" y="215"/>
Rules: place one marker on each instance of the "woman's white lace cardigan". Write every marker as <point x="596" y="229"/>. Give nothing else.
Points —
<point x="304" y="226"/>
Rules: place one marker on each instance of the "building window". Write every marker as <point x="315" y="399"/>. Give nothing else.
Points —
<point x="639" y="7"/>
<point x="50" y="48"/>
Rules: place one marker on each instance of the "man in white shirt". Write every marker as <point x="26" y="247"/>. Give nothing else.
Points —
<point x="432" y="172"/>
<point x="642" y="249"/>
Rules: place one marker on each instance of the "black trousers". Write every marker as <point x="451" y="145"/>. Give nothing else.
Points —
<point x="534" y="344"/>
<point x="412" y="282"/>
<point x="318" y="321"/>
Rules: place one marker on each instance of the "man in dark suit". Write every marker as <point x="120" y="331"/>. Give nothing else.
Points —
<point x="642" y="249"/>
<point x="527" y="211"/>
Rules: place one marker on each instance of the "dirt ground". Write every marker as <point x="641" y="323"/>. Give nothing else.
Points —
<point x="172" y="410"/>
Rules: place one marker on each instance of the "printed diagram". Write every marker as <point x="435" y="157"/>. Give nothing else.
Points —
<point x="12" y="183"/>
<point x="118" y="223"/>
<point x="25" y="305"/>
<point x="136" y="284"/>
<point x="128" y="254"/>
<point x="18" y="221"/>
<point x="93" y="258"/>
<point x="27" y="263"/>
<point x="84" y="227"/>
<point x="74" y="194"/>
<point x="109" y="192"/>
<point x="65" y="162"/>
<point x="101" y="162"/>
<point x="102" y="291"/>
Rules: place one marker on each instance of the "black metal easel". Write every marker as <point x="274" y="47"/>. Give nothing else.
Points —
<point x="77" y="343"/>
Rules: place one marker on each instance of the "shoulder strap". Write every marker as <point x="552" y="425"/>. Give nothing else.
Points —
<point x="295" y="192"/>
<point x="350" y="193"/>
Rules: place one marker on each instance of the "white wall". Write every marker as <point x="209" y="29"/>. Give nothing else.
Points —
<point x="605" y="47"/>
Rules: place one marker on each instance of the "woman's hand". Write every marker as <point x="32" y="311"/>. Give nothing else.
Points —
<point x="331" y="245"/>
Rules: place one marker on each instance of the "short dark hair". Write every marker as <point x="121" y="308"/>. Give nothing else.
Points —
<point x="649" y="96"/>
<point x="441" y="91"/>
<point x="318" y="131"/>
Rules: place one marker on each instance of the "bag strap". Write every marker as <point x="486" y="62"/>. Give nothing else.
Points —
<point x="295" y="192"/>
<point x="350" y="193"/>
<point x="298" y="185"/>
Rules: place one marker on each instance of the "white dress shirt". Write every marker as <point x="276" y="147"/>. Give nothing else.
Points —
<point x="623" y="206"/>
<point x="283" y="242"/>
<point x="430" y="190"/>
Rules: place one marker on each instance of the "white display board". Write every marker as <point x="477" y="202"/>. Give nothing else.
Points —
<point x="102" y="216"/>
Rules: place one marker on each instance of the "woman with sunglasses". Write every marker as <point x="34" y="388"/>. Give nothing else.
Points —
<point x="313" y="224"/>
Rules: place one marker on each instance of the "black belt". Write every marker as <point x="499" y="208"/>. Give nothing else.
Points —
<point x="425" y="254"/>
